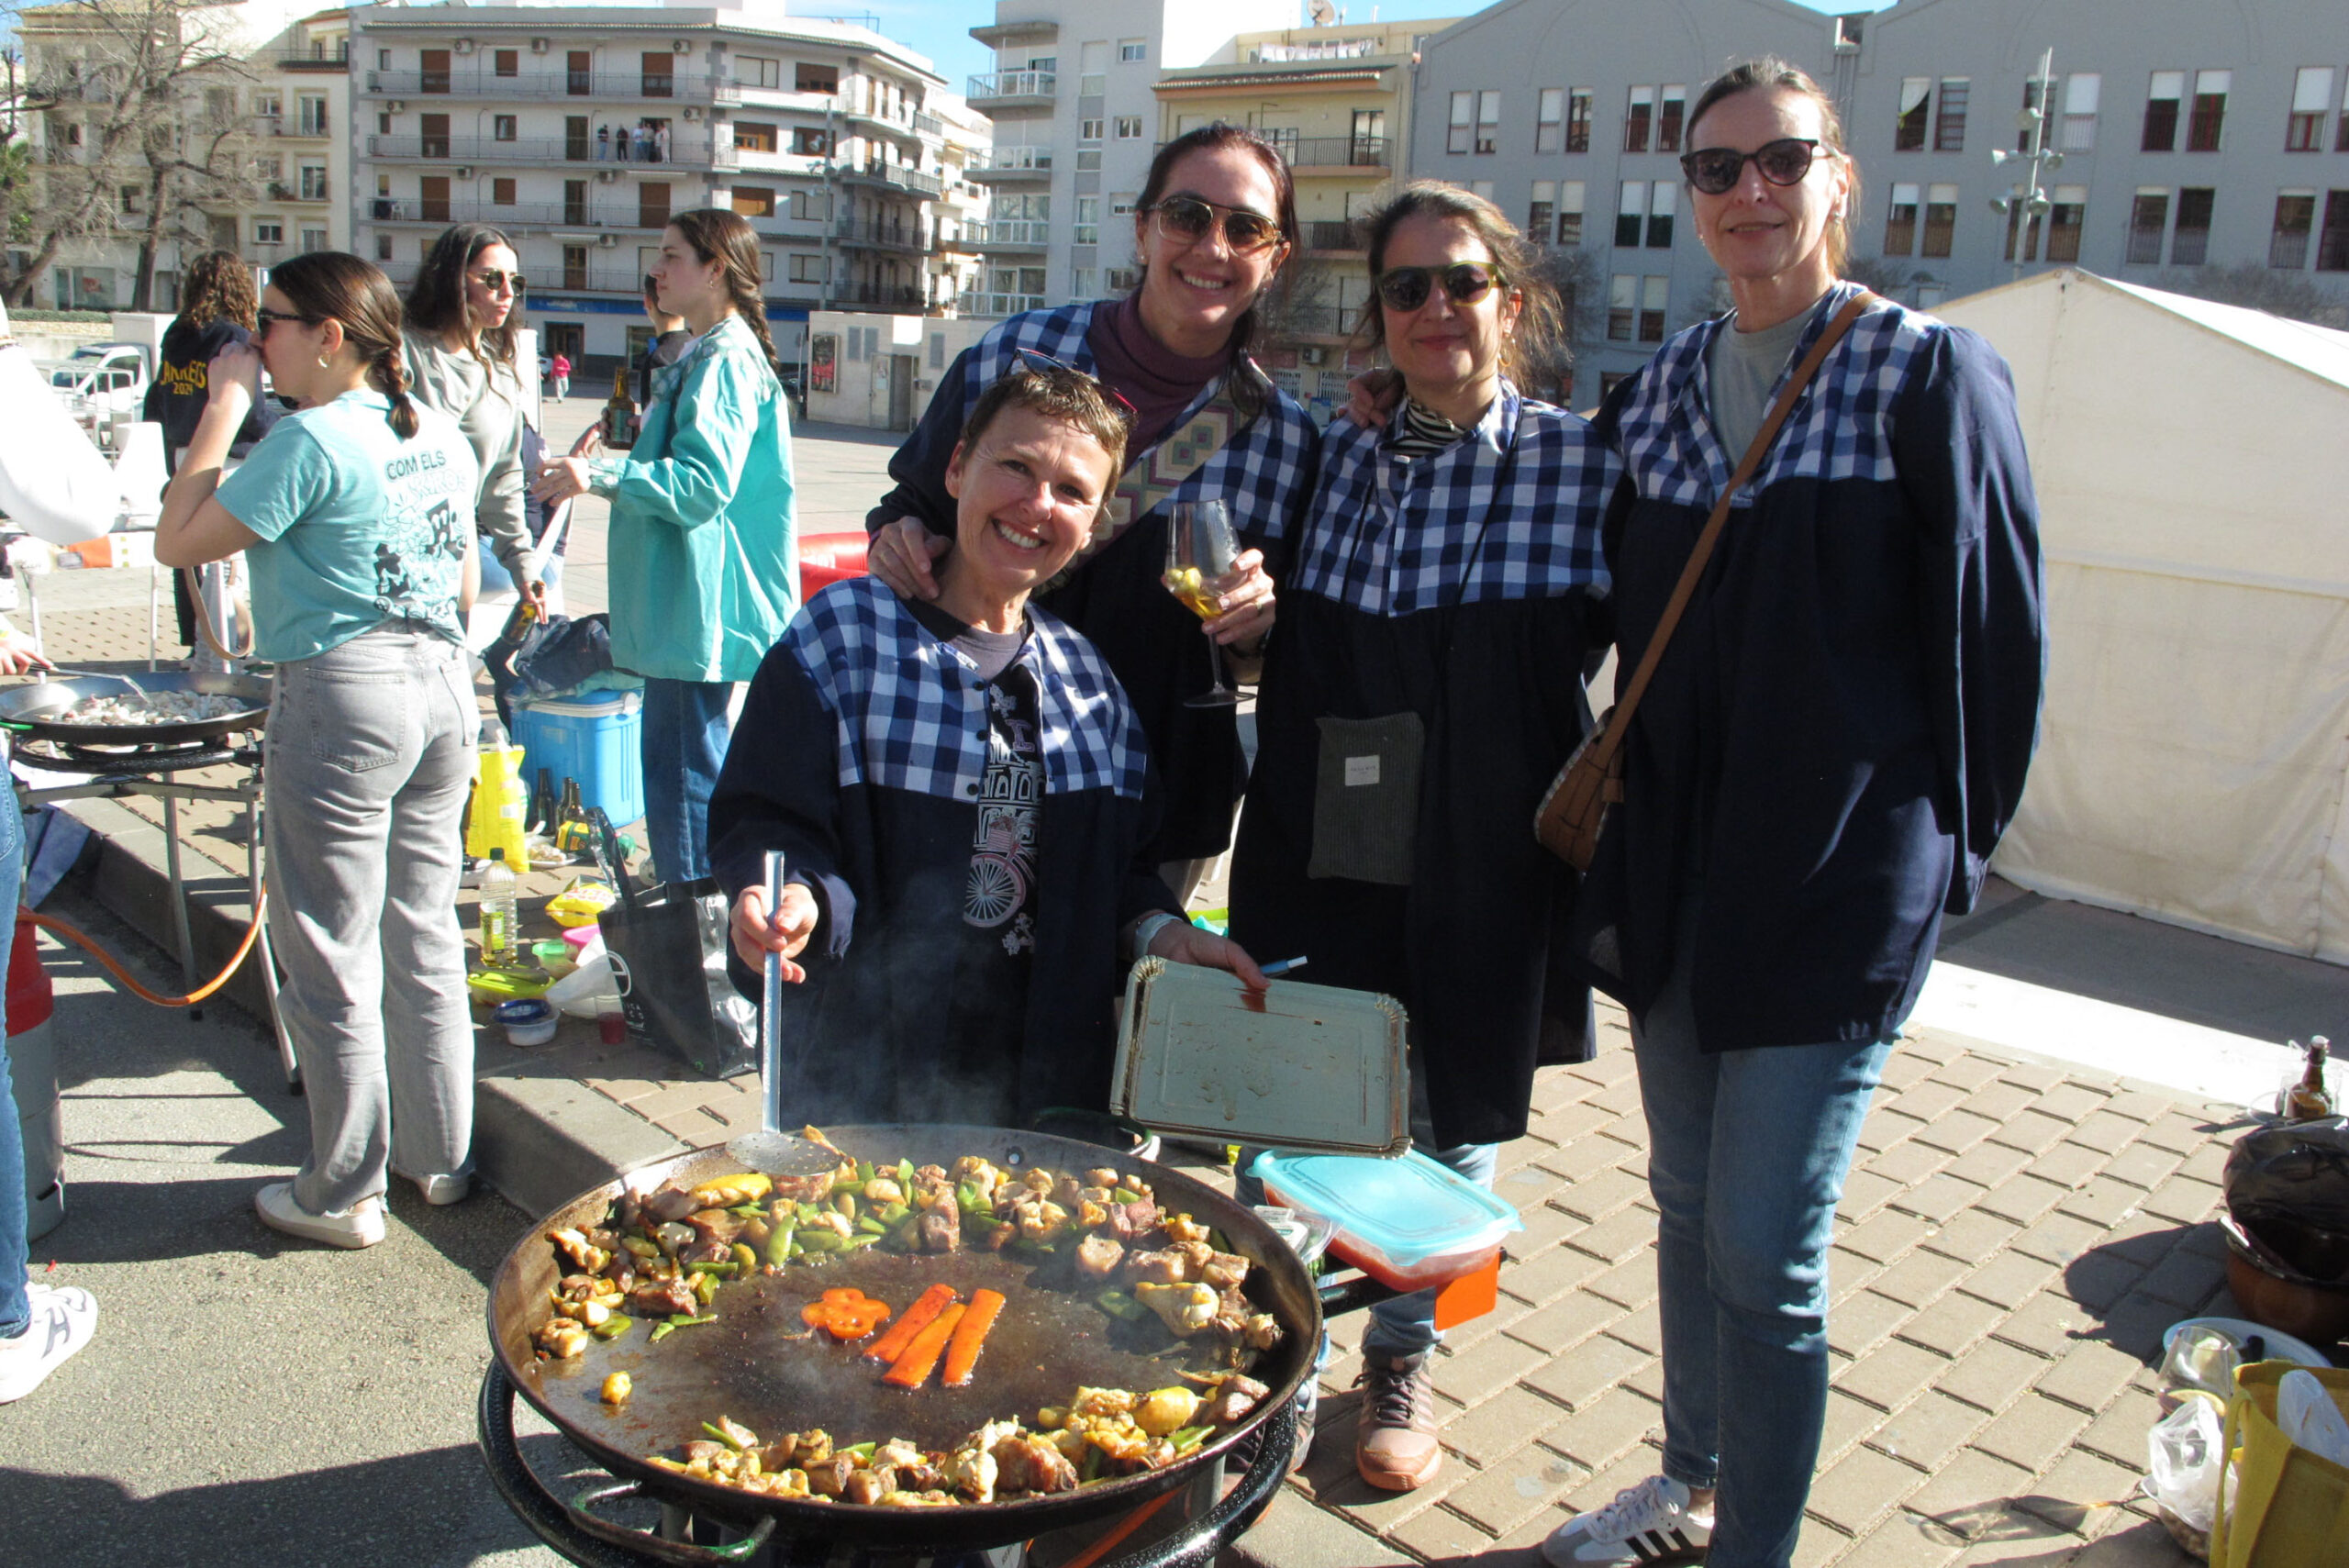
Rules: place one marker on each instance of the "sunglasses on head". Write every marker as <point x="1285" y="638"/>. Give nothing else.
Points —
<point x="493" y="279"/>
<point x="1406" y="288"/>
<point x="264" y="319"/>
<point x="1785" y="161"/>
<point x="1191" y="219"/>
<point x="1035" y="363"/>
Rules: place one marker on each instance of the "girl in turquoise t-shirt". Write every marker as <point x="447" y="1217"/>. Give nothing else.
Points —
<point x="356" y="518"/>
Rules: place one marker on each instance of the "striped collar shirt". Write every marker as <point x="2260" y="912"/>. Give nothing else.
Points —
<point x="911" y="706"/>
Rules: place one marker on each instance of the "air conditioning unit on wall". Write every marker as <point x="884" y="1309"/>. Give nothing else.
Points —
<point x="609" y="241"/>
<point x="464" y="46"/>
<point x="1313" y="354"/>
<point x="680" y="46"/>
<point x="464" y="172"/>
<point x="538" y="46"/>
<point x="606" y="176"/>
<point x="693" y="112"/>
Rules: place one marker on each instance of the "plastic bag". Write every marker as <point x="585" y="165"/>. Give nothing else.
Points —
<point x="2185" y="1450"/>
<point x="2307" y="1415"/>
<point x="2287" y="1188"/>
<point x="580" y="991"/>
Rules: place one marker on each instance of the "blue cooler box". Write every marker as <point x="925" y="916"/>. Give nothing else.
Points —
<point x="595" y="740"/>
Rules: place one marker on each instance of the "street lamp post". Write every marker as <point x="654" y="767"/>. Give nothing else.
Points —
<point x="2028" y="204"/>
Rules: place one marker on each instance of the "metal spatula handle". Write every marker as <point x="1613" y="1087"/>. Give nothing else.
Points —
<point x="771" y="1013"/>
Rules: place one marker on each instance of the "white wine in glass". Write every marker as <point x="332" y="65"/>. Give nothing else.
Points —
<point x="1201" y="548"/>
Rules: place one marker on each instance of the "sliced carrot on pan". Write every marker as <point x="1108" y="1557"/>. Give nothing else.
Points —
<point x="962" y="1350"/>
<point x="892" y="1345"/>
<point x="913" y="1368"/>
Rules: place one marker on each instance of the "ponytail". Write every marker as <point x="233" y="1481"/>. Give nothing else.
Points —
<point x="388" y="374"/>
<point x="753" y="312"/>
<point x="726" y="237"/>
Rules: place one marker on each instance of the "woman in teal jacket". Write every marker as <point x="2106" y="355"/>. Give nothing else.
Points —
<point x="704" y="561"/>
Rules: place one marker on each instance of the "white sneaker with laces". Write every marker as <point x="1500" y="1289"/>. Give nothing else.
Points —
<point x="362" y="1226"/>
<point x="63" y="1318"/>
<point x="1649" y="1523"/>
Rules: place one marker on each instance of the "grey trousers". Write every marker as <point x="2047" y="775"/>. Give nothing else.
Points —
<point x="370" y="751"/>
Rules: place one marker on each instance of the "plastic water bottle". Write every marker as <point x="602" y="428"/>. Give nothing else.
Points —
<point x="500" y="910"/>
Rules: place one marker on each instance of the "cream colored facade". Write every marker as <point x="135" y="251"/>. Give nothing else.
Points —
<point x="1337" y="101"/>
<point x="284" y="107"/>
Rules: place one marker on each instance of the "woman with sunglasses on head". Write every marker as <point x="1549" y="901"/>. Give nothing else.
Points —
<point x="1216" y="221"/>
<point x="461" y="346"/>
<point x="1424" y="687"/>
<point x="1833" y="739"/>
<point x="704" y="570"/>
<point x="355" y="515"/>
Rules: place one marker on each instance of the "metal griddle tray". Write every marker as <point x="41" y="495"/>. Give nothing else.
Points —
<point x="1305" y="1067"/>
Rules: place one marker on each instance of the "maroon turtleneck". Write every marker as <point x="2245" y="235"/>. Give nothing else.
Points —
<point x="1159" y="383"/>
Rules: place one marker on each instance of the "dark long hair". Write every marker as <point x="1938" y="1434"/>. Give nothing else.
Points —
<point x="1247" y="391"/>
<point x="334" y="283"/>
<point x="218" y="287"/>
<point x="436" y="301"/>
<point x="728" y="238"/>
<point x="1535" y="344"/>
<point x="1769" y="70"/>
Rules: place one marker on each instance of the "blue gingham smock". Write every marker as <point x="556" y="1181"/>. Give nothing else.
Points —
<point x="1839" y="729"/>
<point x="1464" y="587"/>
<point x="860" y="754"/>
<point x="1264" y="471"/>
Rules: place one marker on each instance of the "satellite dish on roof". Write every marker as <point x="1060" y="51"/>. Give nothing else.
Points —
<point x="1322" y="12"/>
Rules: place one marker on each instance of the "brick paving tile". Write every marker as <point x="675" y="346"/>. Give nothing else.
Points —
<point x="2185" y="1277"/>
<point x="1643" y="1329"/>
<point x="1929" y="1429"/>
<point x="1529" y="1185"/>
<point x="1884" y="1237"/>
<point x="1897" y="1543"/>
<point x="2072" y="1101"/>
<point x="1849" y="1422"/>
<point x="2031" y="1131"/>
<point x="2205" y="1238"/>
<point x="2109" y="1204"/>
<point x="2007" y="1278"/>
<point x="1954" y="1324"/>
<point x="1929" y="1101"/>
<point x="2105" y="1129"/>
<point x="1523" y="1484"/>
<point x="2135" y="1324"/>
<point x="1545" y="1227"/>
<point x="1583" y="1373"/>
<point x="2068" y="1165"/>
<point x="1506" y="1315"/>
<point x="1475" y="1375"/>
<point x="1885" y="1127"/>
<point x="1598" y="1192"/>
<point x="1991" y="1375"/>
<point x="1988" y="1163"/>
<point x="1970" y="1072"/>
<point x="2033" y="1431"/>
<point x="2024" y="1199"/>
<point x="2208" y="1162"/>
<point x="2184" y="1198"/>
<point x="1625" y="1235"/>
<point x="1939" y="1198"/>
<point x="1957" y="1130"/>
<point x="2037" y="1076"/>
<point x="1902" y="1068"/>
<point x="2139" y="1106"/>
<point x="2047" y="1324"/>
<point x="2097" y="1280"/>
<point x="1630" y="1282"/>
<point x="2058" y="1238"/>
<point x="1606" y="1429"/>
<point x="1847" y="1276"/>
<point x="1550" y="1275"/>
<point x="1648" y="1380"/>
<point x="1295" y="1534"/>
<point x="2140" y="1545"/>
<point x="1620" y="1097"/>
<point x="1859" y="1324"/>
<point x="1438" y="1534"/>
<point x="672" y="1099"/>
<point x="1975" y="1234"/>
<point x="1857" y="1490"/>
<point x="2142" y="1164"/>
<point x="1968" y="1495"/>
<point x="1596" y="1491"/>
<point x="1820" y="1545"/>
<point x="1920" y="1278"/>
<point x="2119" y="1434"/>
<point x="2091" y="1487"/>
<point x="2001" y="1099"/>
<point x="1906" y="1162"/>
<point x="1865" y="1192"/>
<point x="2175" y="1129"/>
<point x="1569" y="1120"/>
<point x="2089" y="1374"/>
<point x="1513" y="1418"/>
<point x="1892" y="1375"/>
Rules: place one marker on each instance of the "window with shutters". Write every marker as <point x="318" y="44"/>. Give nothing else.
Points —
<point x="2209" y="110"/>
<point x="1948" y="115"/>
<point x="2162" y="97"/>
<point x="1578" y="120"/>
<point x="2189" y="244"/>
<point x="1540" y="211"/>
<point x="1549" y="119"/>
<point x="2332" y="240"/>
<point x="1916" y="105"/>
<point x="2311" y="98"/>
<point x="1570" y="205"/>
<point x="2081" y="90"/>
<point x="1462" y="125"/>
<point x="1489" y="121"/>
<point x="1639" y="119"/>
<point x="1941" y="220"/>
<point x="1631" y="213"/>
<point x="1623" y="307"/>
<point x="1900" y="221"/>
<point x="1662" y="207"/>
<point x="2148" y="219"/>
<point x="1672" y="107"/>
<point x="2287" y="242"/>
<point x="2064" y="220"/>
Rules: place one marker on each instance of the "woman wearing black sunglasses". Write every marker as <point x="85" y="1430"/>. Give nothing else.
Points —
<point x="1835" y="736"/>
<point x="1216" y="221"/>
<point x="1424" y="687"/>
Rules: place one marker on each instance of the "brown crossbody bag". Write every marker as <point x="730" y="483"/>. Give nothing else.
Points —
<point x="1571" y="813"/>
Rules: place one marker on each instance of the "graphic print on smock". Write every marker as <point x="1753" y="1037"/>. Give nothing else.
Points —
<point x="1002" y="848"/>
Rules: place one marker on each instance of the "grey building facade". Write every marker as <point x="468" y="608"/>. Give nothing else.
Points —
<point x="2192" y="134"/>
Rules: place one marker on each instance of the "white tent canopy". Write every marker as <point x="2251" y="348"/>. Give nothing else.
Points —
<point x="2192" y="465"/>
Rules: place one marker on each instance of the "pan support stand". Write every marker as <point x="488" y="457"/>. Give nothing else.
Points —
<point x="246" y="793"/>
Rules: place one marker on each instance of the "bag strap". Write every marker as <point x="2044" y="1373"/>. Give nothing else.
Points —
<point x="1612" y="740"/>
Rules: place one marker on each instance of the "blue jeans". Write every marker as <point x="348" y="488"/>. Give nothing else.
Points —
<point x="16" y="1309"/>
<point x="1747" y="1152"/>
<point x="685" y="743"/>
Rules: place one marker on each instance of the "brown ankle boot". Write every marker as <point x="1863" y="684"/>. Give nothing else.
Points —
<point x="1395" y="1445"/>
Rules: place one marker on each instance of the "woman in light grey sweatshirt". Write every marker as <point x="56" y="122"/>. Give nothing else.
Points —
<point x="460" y="343"/>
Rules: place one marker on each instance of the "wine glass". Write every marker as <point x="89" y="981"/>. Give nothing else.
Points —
<point x="1200" y="547"/>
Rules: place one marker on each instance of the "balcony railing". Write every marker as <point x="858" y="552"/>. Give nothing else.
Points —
<point x="692" y="154"/>
<point x="477" y="83"/>
<point x="1015" y="84"/>
<point x="1318" y="321"/>
<point x="1335" y="152"/>
<point x="321" y="59"/>
<point x="904" y="235"/>
<point x="898" y="176"/>
<point x="512" y="215"/>
<point x="928" y="125"/>
<point x="980" y="303"/>
<point x="1009" y="160"/>
<point x="893" y="296"/>
<point x="279" y="191"/>
<point x="1333" y="234"/>
<point x="1019" y="233"/>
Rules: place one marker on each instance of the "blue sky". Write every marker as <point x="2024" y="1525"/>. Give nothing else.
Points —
<point x="941" y="29"/>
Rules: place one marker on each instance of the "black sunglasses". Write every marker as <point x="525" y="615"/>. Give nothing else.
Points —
<point x="493" y="279"/>
<point x="1192" y="219"/>
<point x="1785" y="161"/>
<point x="1031" y="359"/>
<point x="264" y="319"/>
<point x="1406" y="288"/>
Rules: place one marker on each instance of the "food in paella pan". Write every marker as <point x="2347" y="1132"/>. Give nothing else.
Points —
<point x="664" y="1256"/>
<point x="152" y="707"/>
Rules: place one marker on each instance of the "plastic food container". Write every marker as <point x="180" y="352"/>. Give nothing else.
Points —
<point x="528" y="1022"/>
<point x="1408" y="1223"/>
<point x="579" y="904"/>
<point x="507" y="984"/>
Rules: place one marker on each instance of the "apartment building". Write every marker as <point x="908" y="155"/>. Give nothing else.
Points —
<point x="263" y="115"/>
<point x="2195" y="136"/>
<point x="579" y="129"/>
<point x="1337" y="102"/>
<point x="1074" y="123"/>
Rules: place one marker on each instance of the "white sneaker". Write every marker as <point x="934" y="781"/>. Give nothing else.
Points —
<point x="1649" y="1523"/>
<point x="360" y="1226"/>
<point x="442" y="1191"/>
<point x="63" y="1318"/>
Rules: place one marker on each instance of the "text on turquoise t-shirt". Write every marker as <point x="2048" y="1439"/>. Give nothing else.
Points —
<point x="358" y="526"/>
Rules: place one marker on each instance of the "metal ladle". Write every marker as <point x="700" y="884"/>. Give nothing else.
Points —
<point x="772" y="1149"/>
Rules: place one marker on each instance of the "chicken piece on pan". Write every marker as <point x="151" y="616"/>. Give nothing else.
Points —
<point x="1097" y="1257"/>
<point x="668" y="1201"/>
<point x="1183" y="1309"/>
<point x="869" y="1487"/>
<point x="1133" y="1221"/>
<point x="561" y="1338"/>
<point x="1166" y="1266"/>
<point x="585" y="1255"/>
<point x="830" y="1479"/>
<point x="1025" y="1462"/>
<point x="662" y="1300"/>
<point x="1182" y="1228"/>
<point x="1232" y="1400"/>
<point x="940" y="1224"/>
<point x="1225" y="1271"/>
<point x="1041" y="1220"/>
